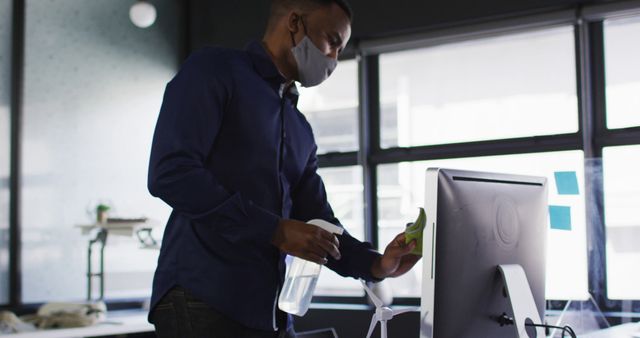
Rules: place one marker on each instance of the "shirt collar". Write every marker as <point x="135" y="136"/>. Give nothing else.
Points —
<point x="292" y="92"/>
<point x="263" y="64"/>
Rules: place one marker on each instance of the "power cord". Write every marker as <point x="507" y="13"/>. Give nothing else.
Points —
<point x="564" y="329"/>
<point x="506" y="320"/>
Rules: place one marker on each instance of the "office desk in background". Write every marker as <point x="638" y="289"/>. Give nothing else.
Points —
<point x="117" y="323"/>
<point x="140" y="227"/>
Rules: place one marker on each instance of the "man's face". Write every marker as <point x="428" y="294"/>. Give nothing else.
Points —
<point x="329" y="28"/>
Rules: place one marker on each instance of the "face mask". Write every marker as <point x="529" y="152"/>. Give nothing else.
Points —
<point x="313" y="66"/>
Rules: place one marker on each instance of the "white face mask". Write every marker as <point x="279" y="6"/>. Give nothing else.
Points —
<point x="313" y="66"/>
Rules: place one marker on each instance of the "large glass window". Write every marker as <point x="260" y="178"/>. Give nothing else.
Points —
<point x="621" y="166"/>
<point x="5" y="134"/>
<point x="332" y="109"/>
<point x="345" y="194"/>
<point x="93" y="88"/>
<point x="344" y="191"/>
<point x="401" y="192"/>
<point x="622" y="64"/>
<point x="495" y="88"/>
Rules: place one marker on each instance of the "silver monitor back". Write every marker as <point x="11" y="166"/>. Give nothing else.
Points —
<point x="476" y="221"/>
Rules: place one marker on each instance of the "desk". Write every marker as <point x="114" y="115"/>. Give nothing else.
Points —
<point x="629" y="330"/>
<point x="123" y="227"/>
<point x="117" y="323"/>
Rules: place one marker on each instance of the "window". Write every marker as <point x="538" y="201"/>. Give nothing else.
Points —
<point x="401" y="192"/>
<point x="622" y="62"/>
<point x="5" y="134"/>
<point x="93" y="89"/>
<point x="332" y="109"/>
<point x="620" y="163"/>
<point x="621" y="166"/>
<point x="497" y="88"/>
<point x="517" y="85"/>
<point x="345" y="193"/>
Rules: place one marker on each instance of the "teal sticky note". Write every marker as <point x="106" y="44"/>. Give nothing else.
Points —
<point x="567" y="182"/>
<point x="560" y="217"/>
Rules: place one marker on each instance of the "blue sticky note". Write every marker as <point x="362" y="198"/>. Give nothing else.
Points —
<point x="567" y="182"/>
<point x="560" y="217"/>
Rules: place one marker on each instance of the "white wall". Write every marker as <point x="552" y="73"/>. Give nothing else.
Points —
<point x="93" y="89"/>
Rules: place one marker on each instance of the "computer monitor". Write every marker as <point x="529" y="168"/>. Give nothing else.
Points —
<point x="477" y="221"/>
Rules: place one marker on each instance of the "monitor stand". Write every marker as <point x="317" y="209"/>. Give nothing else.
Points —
<point x="521" y="300"/>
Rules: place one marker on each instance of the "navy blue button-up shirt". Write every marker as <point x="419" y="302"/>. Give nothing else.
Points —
<point x="232" y="155"/>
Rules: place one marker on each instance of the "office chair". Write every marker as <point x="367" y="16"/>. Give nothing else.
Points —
<point x="322" y="333"/>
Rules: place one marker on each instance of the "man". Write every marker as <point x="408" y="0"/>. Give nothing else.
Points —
<point x="237" y="162"/>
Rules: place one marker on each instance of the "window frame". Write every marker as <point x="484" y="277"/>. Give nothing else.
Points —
<point x="16" y="93"/>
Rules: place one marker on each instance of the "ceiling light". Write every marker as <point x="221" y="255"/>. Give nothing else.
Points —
<point x="142" y="14"/>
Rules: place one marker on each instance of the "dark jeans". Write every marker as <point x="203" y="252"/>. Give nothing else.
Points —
<point x="180" y="315"/>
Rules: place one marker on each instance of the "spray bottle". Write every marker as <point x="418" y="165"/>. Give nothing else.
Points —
<point x="301" y="278"/>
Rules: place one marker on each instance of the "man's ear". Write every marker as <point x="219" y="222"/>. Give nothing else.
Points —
<point x="293" y="20"/>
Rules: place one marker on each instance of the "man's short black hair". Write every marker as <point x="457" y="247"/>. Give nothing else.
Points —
<point x="278" y="7"/>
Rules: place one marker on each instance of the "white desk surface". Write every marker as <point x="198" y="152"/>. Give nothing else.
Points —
<point x="120" y="322"/>
<point x="629" y="330"/>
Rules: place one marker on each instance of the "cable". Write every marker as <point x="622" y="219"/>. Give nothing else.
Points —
<point x="564" y="329"/>
<point x="506" y="320"/>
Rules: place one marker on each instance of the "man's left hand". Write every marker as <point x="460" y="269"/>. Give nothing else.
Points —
<point x="396" y="260"/>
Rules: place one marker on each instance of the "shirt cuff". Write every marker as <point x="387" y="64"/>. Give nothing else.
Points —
<point x="370" y="256"/>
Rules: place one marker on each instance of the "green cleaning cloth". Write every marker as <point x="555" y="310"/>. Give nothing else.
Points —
<point x="414" y="231"/>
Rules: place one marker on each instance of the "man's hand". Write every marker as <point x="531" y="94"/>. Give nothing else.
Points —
<point x="396" y="260"/>
<point x="306" y="241"/>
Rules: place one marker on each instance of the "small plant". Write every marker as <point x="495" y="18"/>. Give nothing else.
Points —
<point x="102" y="208"/>
<point x="101" y="213"/>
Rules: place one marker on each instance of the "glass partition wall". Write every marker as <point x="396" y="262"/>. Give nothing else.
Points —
<point x="93" y="87"/>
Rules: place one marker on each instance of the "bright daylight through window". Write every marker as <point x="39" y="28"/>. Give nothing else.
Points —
<point x="512" y="86"/>
<point x="345" y="193"/>
<point x="332" y="109"/>
<point x="517" y="85"/>
<point x="621" y="166"/>
<point x="622" y="64"/>
<point x="401" y="191"/>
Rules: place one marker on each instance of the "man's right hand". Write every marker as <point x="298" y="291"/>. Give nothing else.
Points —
<point x="306" y="241"/>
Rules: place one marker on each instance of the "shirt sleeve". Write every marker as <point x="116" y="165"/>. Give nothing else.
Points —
<point x="189" y="120"/>
<point x="310" y="202"/>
